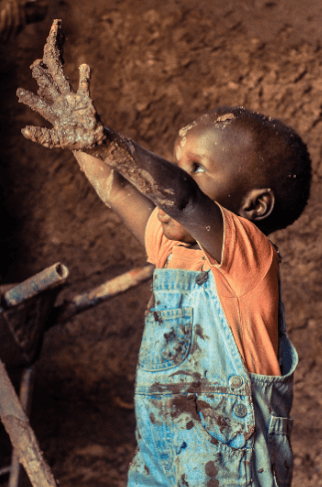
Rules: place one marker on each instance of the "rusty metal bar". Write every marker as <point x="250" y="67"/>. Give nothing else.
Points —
<point x="21" y="434"/>
<point x="110" y="288"/>
<point x="45" y="279"/>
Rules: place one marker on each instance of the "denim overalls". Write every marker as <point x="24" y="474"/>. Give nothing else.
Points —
<point x="202" y="418"/>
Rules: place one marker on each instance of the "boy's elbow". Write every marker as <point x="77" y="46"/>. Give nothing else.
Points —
<point x="186" y="195"/>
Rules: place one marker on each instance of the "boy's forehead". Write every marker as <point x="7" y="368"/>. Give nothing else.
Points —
<point x="219" y="134"/>
<point x="208" y="120"/>
<point x="226" y="144"/>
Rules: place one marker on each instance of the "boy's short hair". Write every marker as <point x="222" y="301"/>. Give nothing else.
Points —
<point x="280" y="161"/>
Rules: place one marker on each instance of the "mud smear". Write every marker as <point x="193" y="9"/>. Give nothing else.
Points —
<point x="184" y="404"/>
<point x="199" y="332"/>
<point x="210" y="469"/>
<point x="211" y="415"/>
<point x="189" y="425"/>
<point x="157" y="317"/>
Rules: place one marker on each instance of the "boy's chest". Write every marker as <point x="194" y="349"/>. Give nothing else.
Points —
<point x="187" y="259"/>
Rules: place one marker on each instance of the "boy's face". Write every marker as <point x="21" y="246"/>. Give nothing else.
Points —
<point x="216" y="158"/>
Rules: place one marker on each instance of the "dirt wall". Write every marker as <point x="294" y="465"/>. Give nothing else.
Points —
<point x="155" y="67"/>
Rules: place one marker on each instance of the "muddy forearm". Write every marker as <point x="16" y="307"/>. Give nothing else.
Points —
<point x="76" y="126"/>
<point x="164" y="183"/>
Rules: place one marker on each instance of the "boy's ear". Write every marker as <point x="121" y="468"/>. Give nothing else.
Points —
<point x="258" y="204"/>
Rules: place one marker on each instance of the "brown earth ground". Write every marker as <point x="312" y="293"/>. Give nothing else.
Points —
<point x="155" y="67"/>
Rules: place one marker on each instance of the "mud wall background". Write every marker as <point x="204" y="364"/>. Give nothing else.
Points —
<point x="154" y="68"/>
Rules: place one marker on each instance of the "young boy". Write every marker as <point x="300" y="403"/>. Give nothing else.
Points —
<point x="215" y="372"/>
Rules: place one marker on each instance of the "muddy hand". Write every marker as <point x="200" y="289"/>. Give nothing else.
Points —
<point x="76" y="124"/>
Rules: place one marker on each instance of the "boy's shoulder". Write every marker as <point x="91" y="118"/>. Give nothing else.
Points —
<point x="248" y="256"/>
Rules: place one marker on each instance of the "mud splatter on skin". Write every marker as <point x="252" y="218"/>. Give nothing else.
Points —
<point x="184" y="130"/>
<point x="147" y="470"/>
<point x="117" y="155"/>
<point x="178" y="152"/>
<point x="189" y="425"/>
<point x="224" y="118"/>
<point x="73" y="115"/>
<point x="76" y="125"/>
<point x="103" y="187"/>
<point x="183" y="141"/>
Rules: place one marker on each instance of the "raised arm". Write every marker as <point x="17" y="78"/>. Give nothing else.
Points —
<point x="127" y="177"/>
<point x="76" y="125"/>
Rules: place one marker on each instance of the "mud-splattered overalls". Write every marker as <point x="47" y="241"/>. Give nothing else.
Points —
<point x="202" y="418"/>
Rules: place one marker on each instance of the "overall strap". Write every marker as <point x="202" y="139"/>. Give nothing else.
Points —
<point x="281" y="313"/>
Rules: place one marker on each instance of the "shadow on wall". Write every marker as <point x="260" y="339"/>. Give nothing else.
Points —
<point x="14" y="16"/>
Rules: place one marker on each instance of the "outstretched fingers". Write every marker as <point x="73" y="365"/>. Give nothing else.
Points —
<point x="84" y="77"/>
<point x="52" y="57"/>
<point x="41" y="135"/>
<point x="47" y="86"/>
<point x="37" y="104"/>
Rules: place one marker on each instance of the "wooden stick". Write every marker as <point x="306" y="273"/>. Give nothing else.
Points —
<point x="91" y="298"/>
<point x="25" y="394"/>
<point x="21" y="434"/>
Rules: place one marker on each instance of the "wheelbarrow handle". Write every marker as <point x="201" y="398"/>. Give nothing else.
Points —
<point x="21" y="434"/>
<point x="91" y="298"/>
<point x="47" y="278"/>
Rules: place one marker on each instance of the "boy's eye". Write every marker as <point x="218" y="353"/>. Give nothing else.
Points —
<point x="197" y="168"/>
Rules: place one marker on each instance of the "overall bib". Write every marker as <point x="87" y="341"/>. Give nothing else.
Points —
<point x="202" y="418"/>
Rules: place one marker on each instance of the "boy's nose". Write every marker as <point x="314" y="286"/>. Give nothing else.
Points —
<point x="183" y="164"/>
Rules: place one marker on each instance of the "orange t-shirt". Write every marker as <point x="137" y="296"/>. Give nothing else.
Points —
<point x="246" y="280"/>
